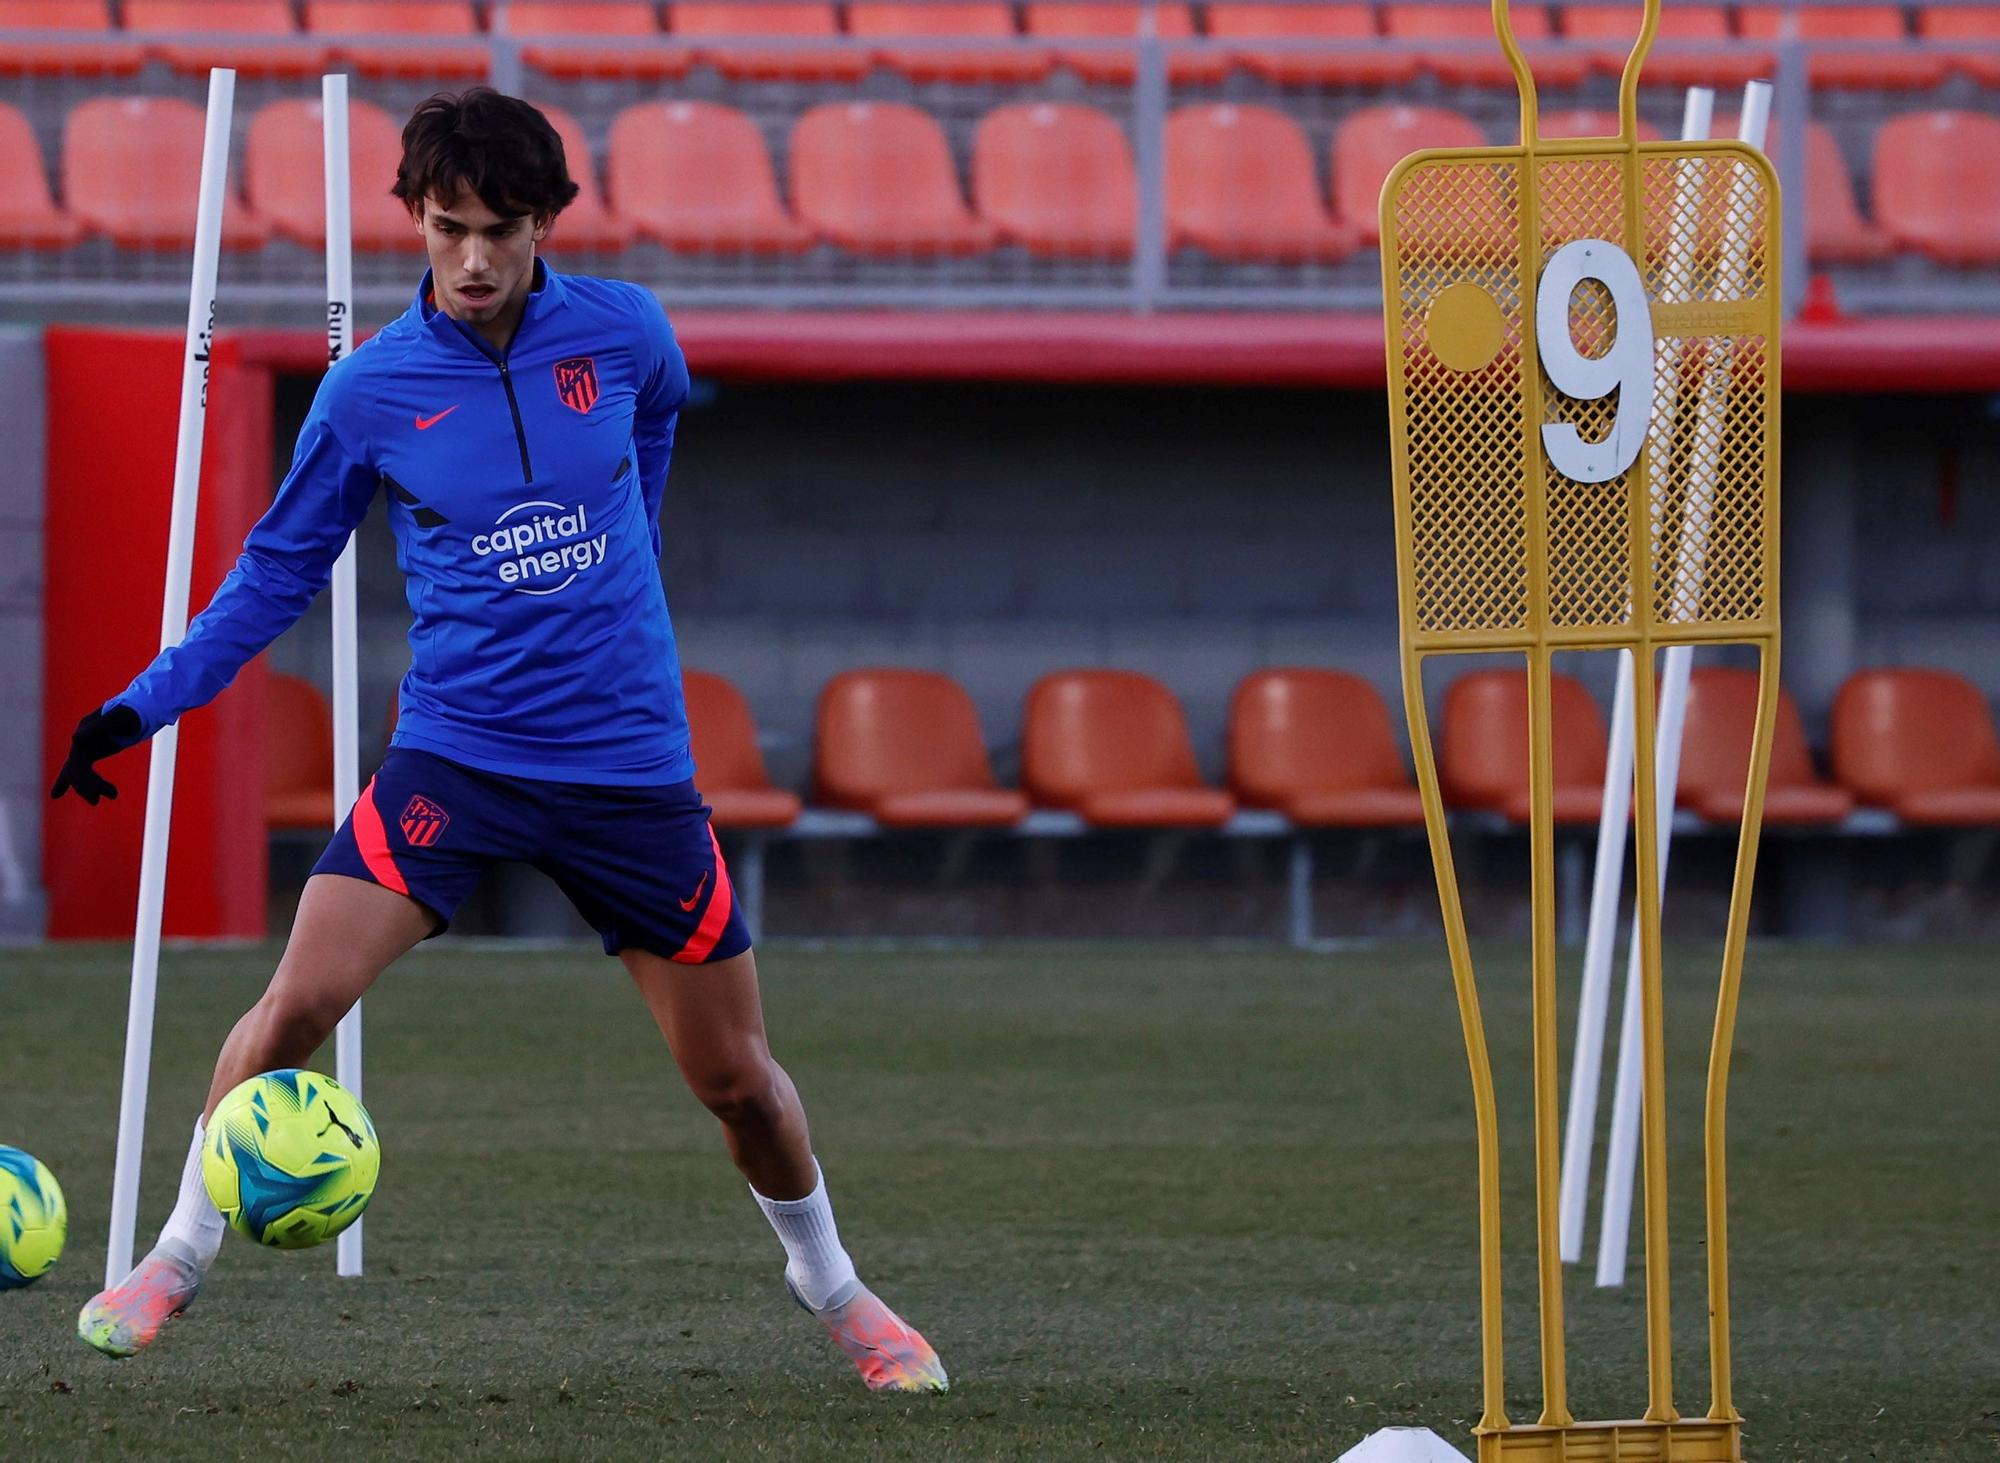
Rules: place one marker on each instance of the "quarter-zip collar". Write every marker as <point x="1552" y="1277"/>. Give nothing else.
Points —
<point x="545" y="294"/>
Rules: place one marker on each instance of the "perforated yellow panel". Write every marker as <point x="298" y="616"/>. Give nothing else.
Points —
<point x="1464" y="429"/>
<point x="1676" y="547"/>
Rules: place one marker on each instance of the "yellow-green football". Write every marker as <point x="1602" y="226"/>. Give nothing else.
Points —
<point x="290" y="1158"/>
<point x="34" y="1221"/>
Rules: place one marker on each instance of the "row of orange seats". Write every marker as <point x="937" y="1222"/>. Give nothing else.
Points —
<point x="581" y="37"/>
<point x="906" y="748"/>
<point x="878" y="178"/>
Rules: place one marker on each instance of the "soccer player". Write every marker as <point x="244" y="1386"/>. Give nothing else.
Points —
<point x="518" y="422"/>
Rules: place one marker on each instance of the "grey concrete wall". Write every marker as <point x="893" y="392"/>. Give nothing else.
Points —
<point x="1000" y="532"/>
<point x="23" y="423"/>
<point x="996" y="533"/>
<point x="1926" y="541"/>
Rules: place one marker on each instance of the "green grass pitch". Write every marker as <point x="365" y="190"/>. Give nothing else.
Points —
<point x="1159" y="1202"/>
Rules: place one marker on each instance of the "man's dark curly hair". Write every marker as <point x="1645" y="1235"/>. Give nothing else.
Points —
<point x="496" y="147"/>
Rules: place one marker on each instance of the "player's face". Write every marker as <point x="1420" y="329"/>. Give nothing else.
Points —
<point x="481" y="264"/>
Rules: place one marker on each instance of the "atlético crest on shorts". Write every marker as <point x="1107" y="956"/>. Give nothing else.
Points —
<point x="423" y="821"/>
<point x="576" y="382"/>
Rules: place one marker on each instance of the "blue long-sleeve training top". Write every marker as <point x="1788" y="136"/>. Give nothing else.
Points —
<point x="524" y="493"/>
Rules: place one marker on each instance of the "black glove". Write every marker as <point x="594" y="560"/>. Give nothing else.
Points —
<point x="96" y="737"/>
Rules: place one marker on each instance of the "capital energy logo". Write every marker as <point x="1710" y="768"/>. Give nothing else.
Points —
<point x="541" y="552"/>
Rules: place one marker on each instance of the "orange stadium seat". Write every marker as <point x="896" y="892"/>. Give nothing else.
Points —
<point x="587" y="38"/>
<point x="1055" y="20"/>
<point x="588" y="223"/>
<point x="708" y="21"/>
<point x="1678" y="57"/>
<point x="1965" y="23"/>
<point x="1317" y="745"/>
<point x="1836" y="233"/>
<point x="1373" y="64"/>
<point x="445" y="18"/>
<point x="1483" y="752"/>
<point x="1889" y="61"/>
<point x="582" y="18"/>
<point x="131" y="170"/>
<point x="1481" y="64"/>
<point x="284" y="175"/>
<point x="728" y="766"/>
<point x="1937" y="185"/>
<point x="905" y="746"/>
<point x="298" y="754"/>
<point x="230" y="24"/>
<point x="1240" y="186"/>
<point x="696" y="177"/>
<point x="1113" y="745"/>
<point x="1590" y="122"/>
<point x="885" y="20"/>
<point x="1056" y="178"/>
<point x="1715" y="755"/>
<point x="1370" y="142"/>
<point x="55" y="14"/>
<point x="1920" y="743"/>
<point x="65" y="57"/>
<point x="29" y="218"/>
<point x="877" y="178"/>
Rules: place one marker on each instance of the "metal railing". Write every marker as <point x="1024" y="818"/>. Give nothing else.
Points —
<point x="279" y="281"/>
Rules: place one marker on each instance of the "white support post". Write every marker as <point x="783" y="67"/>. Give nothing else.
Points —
<point x="1711" y="410"/>
<point x="1593" y="1003"/>
<point x="173" y="625"/>
<point x="346" y="700"/>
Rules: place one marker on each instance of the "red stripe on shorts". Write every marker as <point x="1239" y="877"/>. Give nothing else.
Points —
<point x="373" y="841"/>
<point x="715" y="917"/>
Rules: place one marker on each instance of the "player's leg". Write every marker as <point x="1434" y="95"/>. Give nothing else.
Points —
<point x="644" y="867"/>
<point x="409" y="852"/>
<point x="346" y="933"/>
<point x="713" y="1020"/>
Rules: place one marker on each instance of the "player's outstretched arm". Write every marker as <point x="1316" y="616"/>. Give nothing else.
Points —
<point x="286" y="561"/>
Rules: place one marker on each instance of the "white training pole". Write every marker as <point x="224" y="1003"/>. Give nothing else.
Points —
<point x="173" y="625"/>
<point x="1601" y="939"/>
<point x="1621" y="1155"/>
<point x="346" y="699"/>
<point x="1621" y="1158"/>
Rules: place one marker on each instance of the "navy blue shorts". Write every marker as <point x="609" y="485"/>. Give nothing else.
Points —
<point x="640" y="863"/>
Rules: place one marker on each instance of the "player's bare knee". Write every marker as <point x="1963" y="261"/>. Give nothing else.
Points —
<point x="297" y="1020"/>
<point x="744" y="1096"/>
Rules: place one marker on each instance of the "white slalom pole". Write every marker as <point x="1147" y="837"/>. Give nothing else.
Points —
<point x="1621" y="1159"/>
<point x="346" y="699"/>
<point x="1601" y="939"/>
<point x="173" y="625"/>
<point x="1621" y="1156"/>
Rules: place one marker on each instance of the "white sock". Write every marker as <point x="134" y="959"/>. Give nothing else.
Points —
<point x="196" y="1224"/>
<point x="815" y="1262"/>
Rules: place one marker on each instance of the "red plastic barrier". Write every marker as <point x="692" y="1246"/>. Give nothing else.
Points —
<point x="114" y="403"/>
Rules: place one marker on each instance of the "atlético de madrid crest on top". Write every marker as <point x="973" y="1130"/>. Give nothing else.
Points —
<point x="576" y="382"/>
